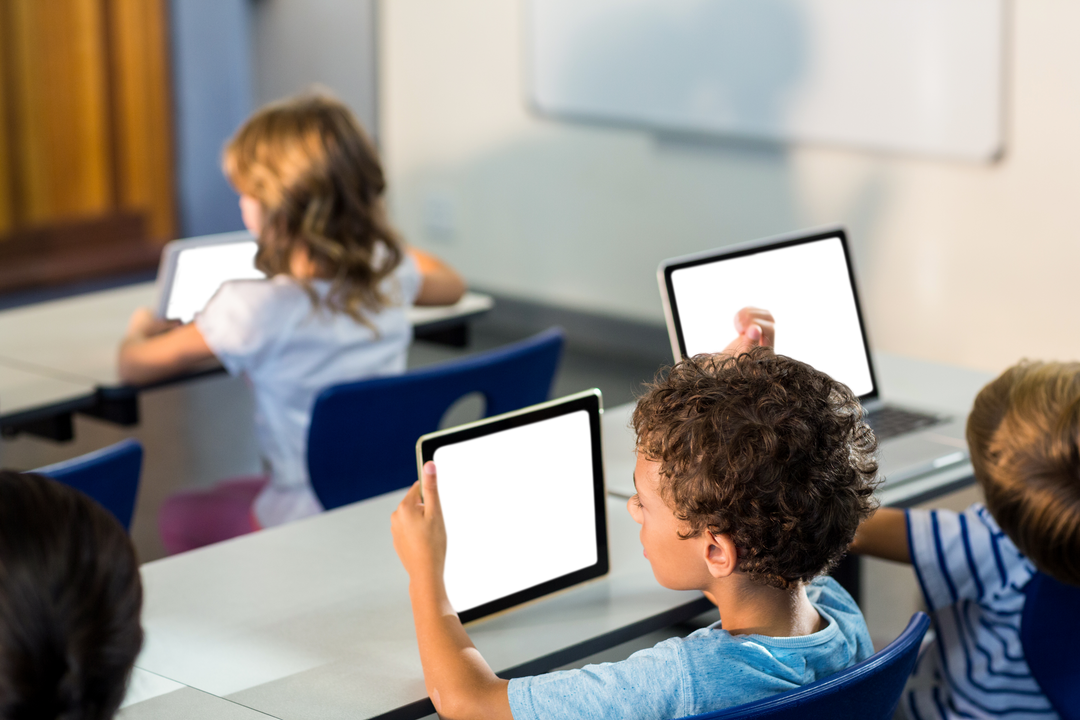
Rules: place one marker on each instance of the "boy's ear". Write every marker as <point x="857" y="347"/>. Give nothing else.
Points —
<point x="721" y="555"/>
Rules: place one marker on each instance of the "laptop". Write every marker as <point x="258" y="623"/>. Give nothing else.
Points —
<point x="192" y="270"/>
<point x="807" y="281"/>
<point x="523" y="499"/>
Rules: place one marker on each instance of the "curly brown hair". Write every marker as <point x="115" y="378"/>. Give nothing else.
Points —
<point x="318" y="178"/>
<point x="766" y="450"/>
<point x="1024" y="435"/>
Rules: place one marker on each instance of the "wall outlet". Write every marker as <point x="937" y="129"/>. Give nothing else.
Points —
<point x="440" y="217"/>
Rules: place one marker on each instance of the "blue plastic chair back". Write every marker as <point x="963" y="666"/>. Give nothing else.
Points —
<point x="1049" y="634"/>
<point x="869" y="690"/>
<point x="110" y="476"/>
<point x="362" y="440"/>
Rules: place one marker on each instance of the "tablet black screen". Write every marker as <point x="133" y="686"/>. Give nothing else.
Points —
<point x="520" y="507"/>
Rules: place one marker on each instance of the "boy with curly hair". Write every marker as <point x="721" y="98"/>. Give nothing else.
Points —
<point x="973" y="567"/>
<point x="753" y="473"/>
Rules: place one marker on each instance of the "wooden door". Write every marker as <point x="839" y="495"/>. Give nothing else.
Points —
<point x="86" y="159"/>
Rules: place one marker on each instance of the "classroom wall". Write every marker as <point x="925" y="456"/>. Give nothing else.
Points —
<point x="211" y="67"/>
<point x="299" y="43"/>
<point x="958" y="262"/>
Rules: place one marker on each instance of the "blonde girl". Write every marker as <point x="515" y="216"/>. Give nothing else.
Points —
<point x="331" y="309"/>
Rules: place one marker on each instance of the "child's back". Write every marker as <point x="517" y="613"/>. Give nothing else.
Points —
<point x="972" y="567"/>
<point x="332" y="308"/>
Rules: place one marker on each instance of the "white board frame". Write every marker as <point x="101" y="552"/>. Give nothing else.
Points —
<point x="923" y="77"/>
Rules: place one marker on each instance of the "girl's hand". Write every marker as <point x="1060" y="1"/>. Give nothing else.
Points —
<point x="755" y="327"/>
<point x="418" y="529"/>
<point x="145" y="324"/>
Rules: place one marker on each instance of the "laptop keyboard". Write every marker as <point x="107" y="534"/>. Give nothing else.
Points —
<point x="889" y="421"/>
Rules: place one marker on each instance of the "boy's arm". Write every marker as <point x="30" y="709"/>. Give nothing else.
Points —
<point x="884" y="535"/>
<point x="458" y="680"/>
<point x="440" y="284"/>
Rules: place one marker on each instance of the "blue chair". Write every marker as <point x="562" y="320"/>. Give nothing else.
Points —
<point x="1049" y="633"/>
<point x="362" y="439"/>
<point x="110" y="476"/>
<point x="867" y="691"/>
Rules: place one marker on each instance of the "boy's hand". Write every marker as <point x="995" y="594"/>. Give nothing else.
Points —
<point x="418" y="529"/>
<point x="755" y="327"/>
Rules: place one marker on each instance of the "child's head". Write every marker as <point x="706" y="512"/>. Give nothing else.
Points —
<point x="70" y="597"/>
<point x="1024" y="435"/>
<point x="763" y="449"/>
<point x="310" y="182"/>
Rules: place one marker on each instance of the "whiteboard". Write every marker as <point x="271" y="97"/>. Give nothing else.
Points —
<point x="909" y="76"/>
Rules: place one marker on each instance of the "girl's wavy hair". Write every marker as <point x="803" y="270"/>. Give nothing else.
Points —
<point x="70" y="599"/>
<point x="766" y="450"/>
<point x="318" y="178"/>
<point x="1024" y="436"/>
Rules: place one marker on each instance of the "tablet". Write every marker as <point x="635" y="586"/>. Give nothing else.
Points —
<point x="192" y="270"/>
<point x="523" y="500"/>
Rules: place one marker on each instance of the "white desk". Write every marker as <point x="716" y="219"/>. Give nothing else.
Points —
<point x="151" y="697"/>
<point x="77" y="338"/>
<point x="312" y="620"/>
<point x="60" y="356"/>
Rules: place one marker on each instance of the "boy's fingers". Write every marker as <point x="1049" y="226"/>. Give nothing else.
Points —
<point x="431" y="487"/>
<point x="412" y="498"/>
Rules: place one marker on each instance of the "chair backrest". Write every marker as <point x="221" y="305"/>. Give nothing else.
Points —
<point x="109" y="475"/>
<point x="1049" y="634"/>
<point x="869" y="690"/>
<point x="362" y="440"/>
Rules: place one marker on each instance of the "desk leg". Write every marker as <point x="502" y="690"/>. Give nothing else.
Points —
<point x="849" y="574"/>
<point x="123" y="411"/>
<point x="454" y="336"/>
<point x="57" y="427"/>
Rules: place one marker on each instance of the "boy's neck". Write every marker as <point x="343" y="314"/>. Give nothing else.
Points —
<point x="749" y="608"/>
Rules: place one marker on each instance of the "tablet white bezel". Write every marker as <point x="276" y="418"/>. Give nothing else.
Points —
<point x="169" y="267"/>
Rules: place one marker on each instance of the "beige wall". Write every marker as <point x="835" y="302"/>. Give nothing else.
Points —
<point x="963" y="263"/>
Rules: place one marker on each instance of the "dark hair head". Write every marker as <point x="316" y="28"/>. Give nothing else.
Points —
<point x="70" y="598"/>
<point x="766" y="450"/>
<point x="1024" y="435"/>
<point x="318" y="178"/>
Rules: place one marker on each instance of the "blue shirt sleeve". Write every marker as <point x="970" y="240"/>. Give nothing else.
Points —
<point x="646" y="685"/>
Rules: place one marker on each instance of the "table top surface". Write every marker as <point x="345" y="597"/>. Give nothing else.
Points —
<point x="25" y="390"/>
<point x="60" y="350"/>
<point x="312" y="619"/>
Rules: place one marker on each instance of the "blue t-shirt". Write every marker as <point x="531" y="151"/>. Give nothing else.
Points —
<point x="708" y="670"/>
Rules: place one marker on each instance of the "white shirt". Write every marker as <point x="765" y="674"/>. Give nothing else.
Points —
<point x="972" y="577"/>
<point x="269" y="331"/>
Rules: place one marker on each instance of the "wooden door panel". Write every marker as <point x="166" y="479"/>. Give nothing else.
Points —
<point x="62" y="149"/>
<point x="86" y="151"/>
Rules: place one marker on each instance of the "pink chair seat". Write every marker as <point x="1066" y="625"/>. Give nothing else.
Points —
<point x="195" y="518"/>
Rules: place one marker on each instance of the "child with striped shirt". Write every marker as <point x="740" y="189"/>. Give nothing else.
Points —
<point x="972" y="567"/>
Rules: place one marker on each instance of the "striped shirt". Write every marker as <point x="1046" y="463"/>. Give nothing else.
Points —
<point x="972" y="577"/>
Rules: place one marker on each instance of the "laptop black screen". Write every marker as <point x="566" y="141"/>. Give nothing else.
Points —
<point x="806" y="283"/>
<point x="202" y="270"/>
